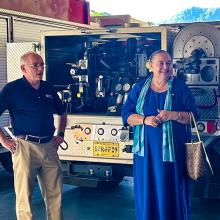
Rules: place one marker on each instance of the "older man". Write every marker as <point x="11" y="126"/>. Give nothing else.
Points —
<point x="31" y="103"/>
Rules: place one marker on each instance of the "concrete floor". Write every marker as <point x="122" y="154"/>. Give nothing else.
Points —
<point x="94" y="204"/>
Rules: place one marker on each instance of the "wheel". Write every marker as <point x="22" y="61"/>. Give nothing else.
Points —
<point x="6" y="161"/>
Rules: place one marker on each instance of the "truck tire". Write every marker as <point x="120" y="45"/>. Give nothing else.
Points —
<point x="6" y="161"/>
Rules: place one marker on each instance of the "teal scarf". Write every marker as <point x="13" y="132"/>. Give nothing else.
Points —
<point x="168" y="145"/>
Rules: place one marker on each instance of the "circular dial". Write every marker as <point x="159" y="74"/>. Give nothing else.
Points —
<point x="114" y="132"/>
<point x="201" y="127"/>
<point x="118" y="87"/>
<point x="100" y="131"/>
<point x="126" y="87"/>
<point x="87" y="130"/>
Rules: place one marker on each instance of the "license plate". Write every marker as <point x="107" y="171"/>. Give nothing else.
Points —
<point x="106" y="149"/>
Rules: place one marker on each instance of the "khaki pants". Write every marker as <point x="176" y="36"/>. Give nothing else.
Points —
<point x="31" y="161"/>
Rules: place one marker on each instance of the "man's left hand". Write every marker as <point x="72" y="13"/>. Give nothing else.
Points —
<point x="57" y="140"/>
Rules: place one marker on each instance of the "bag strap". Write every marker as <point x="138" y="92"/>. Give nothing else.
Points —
<point x="192" y="119"/>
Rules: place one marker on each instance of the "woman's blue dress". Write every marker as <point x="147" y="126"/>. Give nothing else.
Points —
<point x="161" y="189"/>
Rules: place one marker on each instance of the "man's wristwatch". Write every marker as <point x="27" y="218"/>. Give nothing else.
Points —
<point x="61" y="134"/>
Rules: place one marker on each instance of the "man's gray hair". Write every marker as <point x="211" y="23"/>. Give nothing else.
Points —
<point x="24" y="57"/>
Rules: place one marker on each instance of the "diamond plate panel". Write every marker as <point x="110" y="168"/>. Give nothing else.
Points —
<point x="14" y="52"/>
<point x="207" y="101"/>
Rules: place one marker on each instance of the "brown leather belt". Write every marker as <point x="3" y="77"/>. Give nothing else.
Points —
<point x="39" y="140"/>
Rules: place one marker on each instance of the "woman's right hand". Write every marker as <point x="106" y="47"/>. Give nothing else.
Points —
<point x="153" y="121"/>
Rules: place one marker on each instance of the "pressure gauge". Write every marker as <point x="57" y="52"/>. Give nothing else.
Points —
<point x="118" y="87"/>
<point x="126" y="87"/>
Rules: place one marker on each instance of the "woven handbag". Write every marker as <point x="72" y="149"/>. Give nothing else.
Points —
<point x="197" y="161"/>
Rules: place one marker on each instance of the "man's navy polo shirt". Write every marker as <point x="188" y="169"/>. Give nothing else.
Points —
<point x="31" y="110"/>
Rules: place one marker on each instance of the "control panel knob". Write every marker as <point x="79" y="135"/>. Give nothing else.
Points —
<point x="114" y="132"/>
<point x="87" y="130"/>
<point x="100" y="131"/>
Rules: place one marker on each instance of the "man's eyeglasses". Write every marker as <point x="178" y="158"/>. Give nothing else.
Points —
<point x="36" y="65"/>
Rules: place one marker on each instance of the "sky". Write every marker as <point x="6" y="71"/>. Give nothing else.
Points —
<point x="149" y="10"/>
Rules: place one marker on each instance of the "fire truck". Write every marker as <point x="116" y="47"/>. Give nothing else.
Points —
<point x="93" y="72"/>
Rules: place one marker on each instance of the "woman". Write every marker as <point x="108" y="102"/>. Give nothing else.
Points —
<point x="159" y="109"/>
